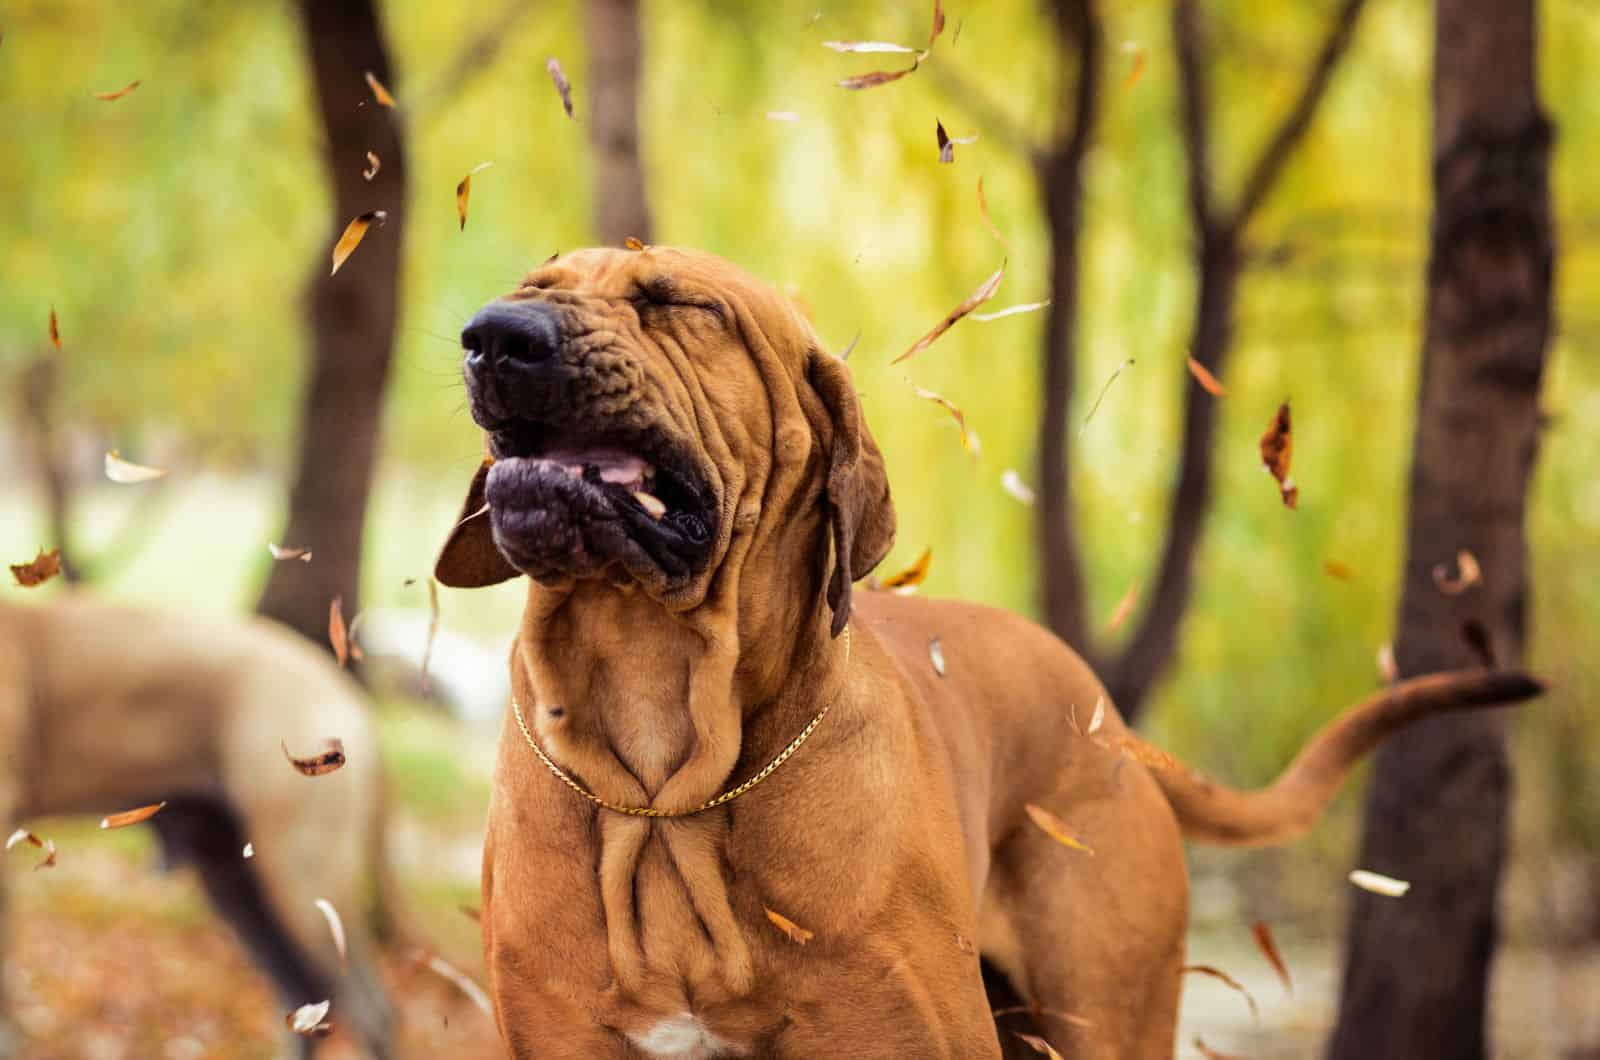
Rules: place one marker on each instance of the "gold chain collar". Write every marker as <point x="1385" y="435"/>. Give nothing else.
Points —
<point x="650" y="811"/>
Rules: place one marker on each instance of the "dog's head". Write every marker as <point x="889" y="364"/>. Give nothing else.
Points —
<point x="643" y="411"/>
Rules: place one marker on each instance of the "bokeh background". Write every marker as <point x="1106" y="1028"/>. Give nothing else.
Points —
<point x="172" y="232"/>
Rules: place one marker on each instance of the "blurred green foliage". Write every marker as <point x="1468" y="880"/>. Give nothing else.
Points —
<point x="172" y="231"/>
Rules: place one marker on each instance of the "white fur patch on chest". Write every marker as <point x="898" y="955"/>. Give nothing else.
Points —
<point x="684" y="1037"/>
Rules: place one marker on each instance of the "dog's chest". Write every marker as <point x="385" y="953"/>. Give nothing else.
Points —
<point x="683" y="1037"/>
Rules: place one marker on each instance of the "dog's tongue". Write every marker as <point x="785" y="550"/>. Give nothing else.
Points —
<point x="616" y="466"/>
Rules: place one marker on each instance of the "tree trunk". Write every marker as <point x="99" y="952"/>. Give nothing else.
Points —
<point x="351" y="318"/>
<point x="621" y="208"/>
<point x="1417" y="973"/>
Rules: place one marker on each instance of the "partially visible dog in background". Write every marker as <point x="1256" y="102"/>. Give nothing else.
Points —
<point x="105" y="707"/>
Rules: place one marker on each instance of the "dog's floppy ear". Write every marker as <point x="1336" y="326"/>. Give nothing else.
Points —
<point x="860" y="512"/>
<point x="469" y="559"/>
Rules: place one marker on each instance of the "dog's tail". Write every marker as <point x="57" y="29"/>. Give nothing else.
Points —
<point x="1211" y="813"/>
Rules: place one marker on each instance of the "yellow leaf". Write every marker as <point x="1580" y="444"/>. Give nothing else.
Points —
<point x="379" y="93"/>
<point x="795" y="932"/>
<point x="464" y="190"/>
<point x="354" y="233"/>
<point x="912" y="575"/>
<point x="119" y="93"/>
<point x="1055" y="828"/>
<point x="127" y="817"/>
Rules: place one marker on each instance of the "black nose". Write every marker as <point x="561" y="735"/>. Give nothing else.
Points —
<point x="506" y="333"/>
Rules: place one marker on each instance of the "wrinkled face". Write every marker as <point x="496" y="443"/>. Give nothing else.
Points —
<point x="601" y="383"/>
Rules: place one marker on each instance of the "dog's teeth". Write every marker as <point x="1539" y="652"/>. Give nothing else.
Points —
<point x="650" y="503"/>
<point x="620" y="476"/>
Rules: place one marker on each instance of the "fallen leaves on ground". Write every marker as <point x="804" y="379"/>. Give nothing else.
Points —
<point x="969" y="439"/>
<point x="464" y="191"/>
<point x="330" y="758"/>
<point x="1269" y="949"/>
<point x="335" y="925"/>
<point x="1055" y="828"/>
<point x="379" y="93"/>
<point x="912" y="576"/>
<point x="1378" y="883"/>
<point x="936" y="656"/>
<point x="563" y="86"/>
<point x="38" y="570"/>
<point x="1124" y="608"/>
<point x="119" y="93"/>
<point x="1222" y="976"/>
<point x="354" y="233"/>
<point x="795" y="932"/>
<point x="338" y="636"/>
<point x="1469" y="574"/>
<point x="127" y="472"/>
<point x="1012" y="483"/>
<point x="1207" y="381"/>
<point x="984" y="292"/>
<point x="283" y="552"/>
<point x="134" y="816"/>
<point x="1277" y="446"/>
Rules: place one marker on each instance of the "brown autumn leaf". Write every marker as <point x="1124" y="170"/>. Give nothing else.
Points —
<point x="635" y="243"/>
<point x="335" y="924"/>
<point x="947" y="150"/>
<point x="55" y="330"/>
<point x="22" y="835"/>
<point x="1219" y="974"/>
<point x="464" y="983"/>
<point x="379" y="93"/>
<point x="354" y="233"/>
<point x="1124" y="608"/>
<point x="969" y="439"/>
<point x="983" y="211"/>
<point x="38" y="570"/>
<point x="310" y="1021"/>
<point x="464" y="191"/>
<point x="1207" y="381"/>
<point x="374" y="163"/>
<point x="1335" y="569"/>
<point x="936" y="655"/>
<point x="1212" y="1054"/>
<point x="878" y="77"/>
<point x="867" y="47"/>
<point x="1269" y="949"/>
<point x="338" y="635"/>
<point x="984" y="292"/>
<point x="118" y="94"/>
<point x="330" y="758"/>
<point x="1039" y="1045"/>
<point x="795" y="932"/>
<point x="134" y="816"/>
<point x="127" y="472"/>
<point x="433" y="632"/>
<point x="938" y="22"/>
<point x="1055" y="828"/>
<point x="284" y="552"/>
<point x="1476" y="634"/>
<point x="1010" y="310"/>
<point x="912" y="575"/>
<point x="1277" y="446"/>
<point x="563" y="86"/>
<point x="1470" y="574"/>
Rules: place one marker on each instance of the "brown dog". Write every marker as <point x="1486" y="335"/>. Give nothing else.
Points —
<point x="687" y="479"/>
<point x="105" y="707"/>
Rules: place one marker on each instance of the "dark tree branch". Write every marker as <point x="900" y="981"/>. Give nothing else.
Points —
<point x="1264" y="174"/>
<point x="1194" y="108"/>
<point x="1060" y="176"/>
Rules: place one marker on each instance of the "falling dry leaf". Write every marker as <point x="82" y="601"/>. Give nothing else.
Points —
<point x="1219" y="974"/>
<point x="1334" y="569"/>
<point x="867" y="47"/>
<point x="1011" y="310"/>
<point x="1098" y="718"/>
<point x="1055" y="828"/>
<point x="912" y="576"/>
<point x="249" y="850"/>
<point x="310" y="1021"/>
<point x="1476" y="634"/>
<point x="127" y="817"/>
<point x="38" y="570"/>
<point x="55" y="330"/>
<point x="471" y="912"/>
<point x="1277" y="446"/>
<point x="1124" y="608"/>
<point x="848" y="350"/>
<point x="1470" y="574"/>
<point x="984" y="292"/>
<point x="324" y="761"/>
<point x="1269" y="949"/>
<point x="374" y="163"/>
<point x="1387" y="668"/>
<point x="1212" y="1054"/>
<point x="563" y="86"/>
<point x="281" y="552"/>
<point x="464" y="191"/>
<point x="1151" y="757"/>
<point x="128" y="473"/>
<point x="335" y="925"/>
<point x="635" y="243"/>
<point x="1039" y="1045"/>
<point x="983" y="211"/>
<point x="878" y="77"/>
<point x="433" y="631"/>
<point x="795" y="932"/>
<point x="338" y="636"/>
<point x="947" y="150"/>
<point x="22" y="835"/>
<point x="1378" y="883"/>
<point x="938" y="22"/>
<point x="119" y="93"/>
<point x="439" y="966"/>
<point x="379" y="93"/>
<point x="1012" y="483"/>
<point x="1102" y="395"/>
<point x="1207" y="381"/>
<point x="1136" y="68"/>
<point x="969" y="440"/>
<point x="936" y="656"/>
<point x="354" y="233"/>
